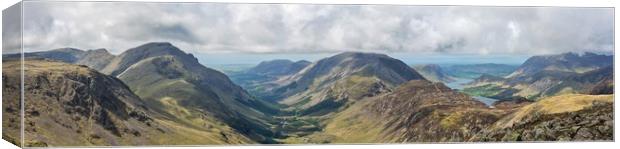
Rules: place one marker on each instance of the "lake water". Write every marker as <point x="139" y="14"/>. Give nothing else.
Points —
<point x="459" y="84"/>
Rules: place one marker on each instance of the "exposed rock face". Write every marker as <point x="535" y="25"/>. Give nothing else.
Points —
<point x="560" y="118"/>
<point x="279" y="67"/>
<point x="433" y="72"/>
<point x="62" y="99"/>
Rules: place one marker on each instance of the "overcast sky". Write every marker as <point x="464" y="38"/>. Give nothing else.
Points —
<point x="205" y="28"/>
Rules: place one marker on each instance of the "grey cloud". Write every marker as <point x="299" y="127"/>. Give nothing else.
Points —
<point x="293" y="28"/>
<point x="11" y="29"/>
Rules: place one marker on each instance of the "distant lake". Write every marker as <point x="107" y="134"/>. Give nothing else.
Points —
<point x="458" y="84"/>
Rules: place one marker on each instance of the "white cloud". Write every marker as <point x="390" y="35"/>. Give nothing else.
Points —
<point x="293" y="28"/>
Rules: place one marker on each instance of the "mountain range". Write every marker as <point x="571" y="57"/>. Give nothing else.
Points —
<point x="543" y="76"/>
<point x="566" y="62"/>
<point x="157" y="94"/>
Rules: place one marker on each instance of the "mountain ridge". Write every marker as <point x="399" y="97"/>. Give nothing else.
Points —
<point x="344" y="77"/>
<point x="565" y="62"/>
<point x="163" y="74"/>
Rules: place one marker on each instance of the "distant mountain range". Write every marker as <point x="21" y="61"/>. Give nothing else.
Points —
<point x="542" y="76"/>
<point x="566" y="62"/>
<point x="157" y="94"/>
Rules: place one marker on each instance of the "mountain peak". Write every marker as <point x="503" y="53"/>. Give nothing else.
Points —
<point x="359" y="55"/>
<point x="157" y="46"/>
<point x="329" y="79"/>
<point x="100" y="50"/>
<point x="145" y="51"/>
<point x="362" y="63"/>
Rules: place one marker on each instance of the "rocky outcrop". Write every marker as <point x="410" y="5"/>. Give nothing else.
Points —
<point x="63" y="98"/>
<point x="560" y="118"/>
